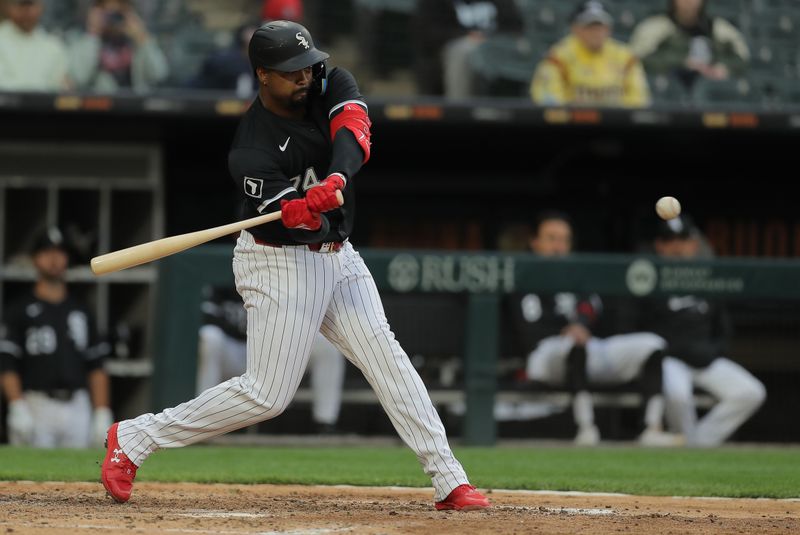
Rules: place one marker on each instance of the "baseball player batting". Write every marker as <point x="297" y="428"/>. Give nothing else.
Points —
<point x="299" y="275"/>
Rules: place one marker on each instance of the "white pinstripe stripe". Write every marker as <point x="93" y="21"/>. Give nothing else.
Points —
<point x="290" y="293"/>
<point x="266" y="203"/>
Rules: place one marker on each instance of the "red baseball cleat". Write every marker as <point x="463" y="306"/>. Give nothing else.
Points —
<point x="117" y="472"/>
<point x="463" y="498"/>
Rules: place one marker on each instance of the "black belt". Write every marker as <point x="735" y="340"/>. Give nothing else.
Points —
<point x="323" y="247"/>
<point x="60" y="394"/>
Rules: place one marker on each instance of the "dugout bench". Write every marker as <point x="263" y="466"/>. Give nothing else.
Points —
<point x="482" y="277"/>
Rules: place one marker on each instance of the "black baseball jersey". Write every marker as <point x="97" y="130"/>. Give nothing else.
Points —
<point x="696" y="330"/>
<point x="274" y="158"/>
<point x="51" y="346"/>
<point x="537" y="316"/>
<point x="222" y="306"/>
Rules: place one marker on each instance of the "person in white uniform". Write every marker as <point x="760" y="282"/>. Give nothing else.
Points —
<point x="300" y="275"/>
<point x="697" y="330"/>
<point x="566" y="353"/>
<point x="222" y="354"/>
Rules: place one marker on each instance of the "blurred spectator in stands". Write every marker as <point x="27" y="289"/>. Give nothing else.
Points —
<point x="222" y="352"/>
<point x="282" y="10"/>
<point x="447" y="32"/>
<point x="697" y="331"/>
<point x="116" y="51"/>
<point x="588" y="67"/>
<point x="688" y="43"/>
<point x="229" y="69"/>
<point x="557" y="329"/>
<point x="51" y="360"/>
<point x="30" y="58"/>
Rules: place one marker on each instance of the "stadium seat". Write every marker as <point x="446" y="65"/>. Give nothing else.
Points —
<point x="627" y="14"/>
<point x="737" y="92"/>
<point x="775" y="90"/>
<point x="730" y="10"/>
<point x="384" y="34"/>
<point x="771" y="59"/>
<point x="667" y="90"/>
<point x="187" y="47"/>
<point x="506" y="64"/>
<point x="775" y="27"/>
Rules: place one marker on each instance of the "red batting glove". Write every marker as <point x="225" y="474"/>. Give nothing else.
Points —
<point x="322" y="197"/>
<point x="295" y="214"/>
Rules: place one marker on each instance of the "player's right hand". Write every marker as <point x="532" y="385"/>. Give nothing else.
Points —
<point x="20" y="422"/>
<point x="295" y="214"/>
<point x="322" y="197"/>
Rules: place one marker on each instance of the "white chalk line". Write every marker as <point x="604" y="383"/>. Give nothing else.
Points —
<point x="571" y="511"/>
<point x="430" y="489"/>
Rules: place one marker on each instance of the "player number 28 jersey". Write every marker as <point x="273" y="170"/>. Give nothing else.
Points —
<point x="51" y="346"/>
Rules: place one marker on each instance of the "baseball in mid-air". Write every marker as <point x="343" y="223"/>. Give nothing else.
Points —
<point x="668" y="208"/>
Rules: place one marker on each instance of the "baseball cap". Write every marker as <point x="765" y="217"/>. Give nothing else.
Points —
<point x="681" y="227"/>
<point x="52" y="238"/>
<point x="591" y="11"/>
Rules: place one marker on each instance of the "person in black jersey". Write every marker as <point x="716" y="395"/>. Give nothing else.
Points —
<point x="557" y="330"/>
<point x="698" y="331"/>
<point x="51" y="360"/>
<point x="300" y="144"/>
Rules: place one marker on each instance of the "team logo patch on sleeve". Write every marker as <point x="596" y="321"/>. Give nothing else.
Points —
<point x="253" y="187"/>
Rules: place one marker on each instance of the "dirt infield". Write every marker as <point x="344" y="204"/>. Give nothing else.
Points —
<point x="49" y="508"/>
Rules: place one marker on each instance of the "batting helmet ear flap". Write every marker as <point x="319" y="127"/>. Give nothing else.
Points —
<point x="319" y="78"/>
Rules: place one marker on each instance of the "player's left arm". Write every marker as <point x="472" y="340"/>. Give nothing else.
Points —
<point x="11" y="353"/>
<point x="95" y="355"/>
<point x="350" y="136"/>
<point x="10" y="356"/>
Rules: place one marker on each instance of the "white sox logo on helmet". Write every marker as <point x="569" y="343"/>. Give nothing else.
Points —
<point x="302" y="40"/>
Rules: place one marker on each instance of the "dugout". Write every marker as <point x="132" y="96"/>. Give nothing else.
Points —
<point x="451" y="177"/>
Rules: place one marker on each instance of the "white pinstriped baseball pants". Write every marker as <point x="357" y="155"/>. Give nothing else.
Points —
<point x="290" y="294"/>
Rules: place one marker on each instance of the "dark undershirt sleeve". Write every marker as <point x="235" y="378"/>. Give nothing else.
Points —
<point x="347" y="154"/>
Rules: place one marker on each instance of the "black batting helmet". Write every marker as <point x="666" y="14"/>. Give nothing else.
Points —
<point x="285" y="46"/>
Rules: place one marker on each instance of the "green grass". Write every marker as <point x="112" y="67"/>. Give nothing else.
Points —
<point x="733" y="472"/>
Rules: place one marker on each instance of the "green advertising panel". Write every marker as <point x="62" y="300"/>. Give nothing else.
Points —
<point x="484" y="276"/>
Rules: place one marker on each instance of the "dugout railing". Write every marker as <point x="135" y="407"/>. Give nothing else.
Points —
<point x="482" y="278"/>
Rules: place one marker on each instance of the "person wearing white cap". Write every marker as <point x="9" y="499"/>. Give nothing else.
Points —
<point x="590" y="68"/>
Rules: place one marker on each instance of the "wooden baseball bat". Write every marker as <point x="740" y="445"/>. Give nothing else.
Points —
<point x="153" y="250"/>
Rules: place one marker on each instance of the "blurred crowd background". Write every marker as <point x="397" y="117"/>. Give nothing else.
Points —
<point x="693" y="52"/>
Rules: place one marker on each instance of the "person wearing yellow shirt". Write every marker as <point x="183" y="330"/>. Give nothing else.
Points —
<point x="588" y="67"/>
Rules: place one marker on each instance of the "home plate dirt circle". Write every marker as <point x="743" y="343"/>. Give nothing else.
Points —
<point x="188" y="508"/>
